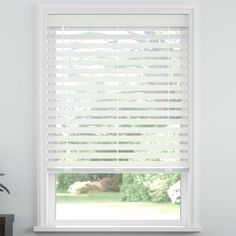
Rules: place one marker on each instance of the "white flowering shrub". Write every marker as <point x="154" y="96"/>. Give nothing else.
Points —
<point x="84" y="187"/>
<point x="174" y="193"/>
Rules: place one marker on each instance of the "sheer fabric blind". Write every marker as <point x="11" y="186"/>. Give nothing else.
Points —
<point x="117" y="92"/>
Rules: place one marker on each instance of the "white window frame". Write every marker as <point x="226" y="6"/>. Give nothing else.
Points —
<point x="46" y="201"/>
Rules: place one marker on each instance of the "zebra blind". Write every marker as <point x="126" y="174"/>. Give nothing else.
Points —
<point x="117" y="92"/>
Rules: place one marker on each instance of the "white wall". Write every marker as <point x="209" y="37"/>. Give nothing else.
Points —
<point x="216" y="113"/>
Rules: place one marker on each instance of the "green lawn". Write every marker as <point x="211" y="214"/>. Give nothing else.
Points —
<point x="85" y="206"/>
<point x="92" y="197"/>
<point x="113" y="198"/>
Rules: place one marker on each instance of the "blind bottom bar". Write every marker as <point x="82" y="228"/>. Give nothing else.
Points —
<point x="116" y="167"/>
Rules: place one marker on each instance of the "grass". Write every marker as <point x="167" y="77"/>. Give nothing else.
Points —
<point x="113" y="198"/>
<point x="91" y="197"/>
<point x="73" y="206"/>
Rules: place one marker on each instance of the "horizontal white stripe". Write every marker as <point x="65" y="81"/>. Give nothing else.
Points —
<point x="117" y="88"/>
<point x="116" y="46"/>
<point x="121" y="20"/>
<point x="120" y="61"/>
<point x="118" y="104"/>
<point x="123" y="138"/>
<point x="118" y="113"/>
<point x="115" y="166"/>
<point x="118" y="129"/>
<point x="148" y="147"/>
<point x="112" y="78"/>
<point x="108" y="121"/>
<point x="124" y="53"/>
<point x="136" y="155"/>
<point x="92" y="70"/>
<point x="78" y="34"/>
<point x="137" y="95"/>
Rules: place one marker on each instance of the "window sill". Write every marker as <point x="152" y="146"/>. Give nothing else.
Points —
<point x="192" y="229"/>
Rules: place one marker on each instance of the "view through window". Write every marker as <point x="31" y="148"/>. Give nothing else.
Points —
<point x="118" y="196"/>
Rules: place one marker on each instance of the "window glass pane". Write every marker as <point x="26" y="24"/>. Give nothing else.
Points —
<point x="118" y="196"/>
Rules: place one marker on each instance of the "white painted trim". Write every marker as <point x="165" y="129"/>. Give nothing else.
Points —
<point x="119" y="8"/>
<point x="109" y="20"/>
<point x="184" y="208"/>
<point x="191" y="122"/>
<point x="195" y="81"/>
<point x="41" y="178"/>
<point x="118" y="223"/>
<point x="42" y="182"/>
<point x="51" y="214"/>
<point x="119" y="229"/>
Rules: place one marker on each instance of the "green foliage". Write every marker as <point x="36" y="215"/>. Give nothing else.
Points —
<point x="64" y="181"/>
<point x="111" y="183"/>
<point x="133" y="188"/>
<point x="147" y="187"/>
<point x="159" y="185"/>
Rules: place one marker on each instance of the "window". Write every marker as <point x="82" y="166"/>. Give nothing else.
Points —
<point x="116" y="150"/>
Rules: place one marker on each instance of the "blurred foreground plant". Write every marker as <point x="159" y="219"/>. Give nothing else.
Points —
<point x="3" y="187"/>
